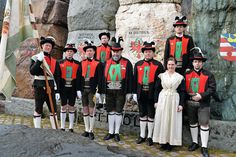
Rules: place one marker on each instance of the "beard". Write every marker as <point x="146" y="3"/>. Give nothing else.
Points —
<point x="116" y="58"/>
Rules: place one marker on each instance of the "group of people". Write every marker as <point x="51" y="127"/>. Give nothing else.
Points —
<point x="106" y="77"/>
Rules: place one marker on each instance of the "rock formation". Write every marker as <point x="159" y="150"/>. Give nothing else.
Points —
<point x="210" y="19"/>
<point x="143" y="20"/>
<point x="51" y="20"/>
<point x="87" y="18"/>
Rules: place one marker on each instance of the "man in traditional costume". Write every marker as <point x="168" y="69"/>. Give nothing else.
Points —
<point x="146" y="72"/>
<point x="102" y="54"/>
<point x="200" y="87"/>
<point x="179" y="46"/>
<point x="92" y="72"/>
<point x="40" y="90"/>
<point x="68" y="78"/>
<point x="118" y="88"/>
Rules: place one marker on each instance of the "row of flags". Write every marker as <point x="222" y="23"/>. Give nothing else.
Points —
<point x="17" y="27"/>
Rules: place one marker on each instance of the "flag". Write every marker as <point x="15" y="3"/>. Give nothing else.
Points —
<point x="228" y="47"/>
<point x="16" y="28"/>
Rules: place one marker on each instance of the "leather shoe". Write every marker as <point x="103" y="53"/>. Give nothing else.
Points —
<point x="193" y="147"/>
<point x="85" y="134"/>
<point x="140" y="140"/>
<point x="149" y="141"/>
<point x="117" y="137"/>
<point x="108" y="136"/>
<point x="163" y="146"/>
<point x="99" y="106"/>
<point x="71" y="130"/>
<point x="169" y="147"/>
<point x="63" y="129"/>
<point x="204" y="152"/>
<point x="91" y="136"/>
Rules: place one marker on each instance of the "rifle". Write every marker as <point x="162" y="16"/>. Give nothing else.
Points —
<point x="49" y="95"/>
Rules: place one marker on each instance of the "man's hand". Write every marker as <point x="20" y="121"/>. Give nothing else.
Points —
<point x="40" y="56"/>
<point x="197" y="97"/>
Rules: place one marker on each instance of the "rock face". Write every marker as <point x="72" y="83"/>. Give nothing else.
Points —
<point x="88" y="18"/>
<point x="21" y="141"/>
<point x="51" y="20"/>
<point x="92" y="15"/>
<point x="24" y="79"/>
<point x="210" y="19"/>
<point x="40" y="142"/>
<point x="138" y="21"/>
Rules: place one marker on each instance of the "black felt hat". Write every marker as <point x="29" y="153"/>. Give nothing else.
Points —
<point x="47" y="39"/>
<point x="89" y="44"/>
<point x="197" y="54"/>
<point x="148" y="46"/>
<point x="116" y="45"/>
<point x="180" y="21"/>
<point x="104" y="33"/>
<point x="70" y="47"/>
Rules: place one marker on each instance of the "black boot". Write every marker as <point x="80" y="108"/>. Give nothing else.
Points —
<point x="117" y="137"/>
<point x="99" y="106"/>
<point x="108" y="136"/>
<point x="204" y="152"/>
<point x="193" y="147"/>
<point x="163" y="147"/>
<point x="169" y="147"/>
<point x="149" y="141"/>
<point x="140" y="140"/>
<point x="91" y="136"/>
<point x="85" y="134"/>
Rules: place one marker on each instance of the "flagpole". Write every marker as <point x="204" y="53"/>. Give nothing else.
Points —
<point x="44" y="70"/>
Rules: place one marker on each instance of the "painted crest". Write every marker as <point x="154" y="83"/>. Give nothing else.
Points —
<point x="228" y="47"/>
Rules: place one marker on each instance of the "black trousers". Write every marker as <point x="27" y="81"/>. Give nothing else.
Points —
<point x="40" y="95"/>
<point x="146" y="105"/>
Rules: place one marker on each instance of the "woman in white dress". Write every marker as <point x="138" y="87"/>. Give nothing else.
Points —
<point x="170" y="96"/>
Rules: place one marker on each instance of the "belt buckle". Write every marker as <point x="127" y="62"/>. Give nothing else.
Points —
<point x="68" y="83"/>
<point x="145" y="87"/>
<point x="114" y="85"/>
